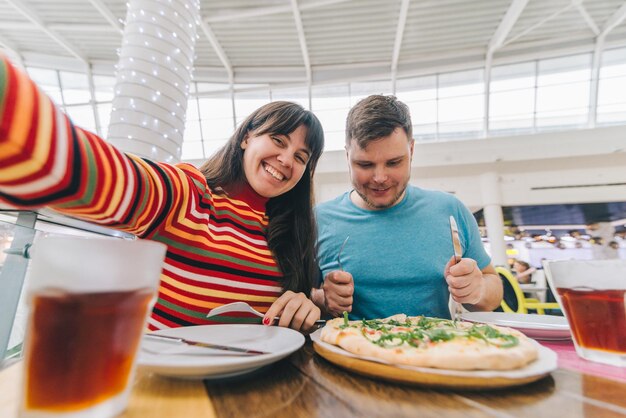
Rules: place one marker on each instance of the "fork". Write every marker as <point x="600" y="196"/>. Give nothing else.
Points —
<point x="244" y="307"/>
<point x="340" y="251"/>
<point x="234" y="307"/>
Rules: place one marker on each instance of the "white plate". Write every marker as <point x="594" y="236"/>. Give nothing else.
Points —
<point x="545" y="363"/>
<point x="541" y="327"/>
<point x="181" y="360"/>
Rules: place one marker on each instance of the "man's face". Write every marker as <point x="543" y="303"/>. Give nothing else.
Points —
<point x="380" y="172"/>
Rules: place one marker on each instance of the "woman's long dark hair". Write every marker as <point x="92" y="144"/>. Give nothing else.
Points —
<point x="291" y="233"/>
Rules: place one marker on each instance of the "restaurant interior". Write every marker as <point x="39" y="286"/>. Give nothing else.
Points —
<point x="518" y="110"/>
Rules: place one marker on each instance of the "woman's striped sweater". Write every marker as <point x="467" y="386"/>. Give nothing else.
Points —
<point x="217" y="248"/>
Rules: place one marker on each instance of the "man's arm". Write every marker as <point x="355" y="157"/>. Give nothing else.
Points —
<point x="477" y="290"/>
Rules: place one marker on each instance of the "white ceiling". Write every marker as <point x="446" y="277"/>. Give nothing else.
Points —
<point x="339" y="40"/>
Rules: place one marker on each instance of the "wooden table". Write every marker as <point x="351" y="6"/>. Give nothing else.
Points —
<point x="306" y="385"/>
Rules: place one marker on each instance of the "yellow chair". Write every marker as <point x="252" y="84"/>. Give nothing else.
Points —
<point x="514" y="300"/>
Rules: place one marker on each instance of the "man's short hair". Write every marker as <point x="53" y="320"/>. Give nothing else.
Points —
<point x="375" y="117"/>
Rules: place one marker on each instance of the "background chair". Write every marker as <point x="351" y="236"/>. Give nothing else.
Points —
<point x="514" y="300"/>
<point x="539" y="279"/>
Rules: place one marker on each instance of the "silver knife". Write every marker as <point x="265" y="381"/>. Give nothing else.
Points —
<point x="205" y="345"/>
<point x="457" y="250"/>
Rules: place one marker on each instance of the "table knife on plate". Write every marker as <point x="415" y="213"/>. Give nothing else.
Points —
<point x="203" y="344"/>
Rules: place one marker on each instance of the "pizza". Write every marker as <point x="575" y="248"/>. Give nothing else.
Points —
<point x="432" y="342"/>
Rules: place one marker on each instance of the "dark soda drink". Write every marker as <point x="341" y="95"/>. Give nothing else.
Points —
<point x="81" y="346"/>
<point x="597" y="318"/>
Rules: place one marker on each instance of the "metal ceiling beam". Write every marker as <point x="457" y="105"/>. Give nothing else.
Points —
<point x="615" y="20"/>
<point x="397" y="44"/>
<point x="301" y="38"/>
<point x="420" y="64"/>
<point x="497" y="40"/>
<point x="108" y="15"/>
<point x="221" y="54"/>
<point x="267" y="11"/>
<point x="305" y="51"/>
<point x="588" y="19"/>
<point x="35" y="19"/>
<point x="506" y="24"/>
<point x="538" y="24"/>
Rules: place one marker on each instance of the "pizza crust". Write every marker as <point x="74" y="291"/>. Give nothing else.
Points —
<point x="455" y="354"/>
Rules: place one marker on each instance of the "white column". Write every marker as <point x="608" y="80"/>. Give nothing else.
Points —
<point x="153" y="77"/>
<point x="492" y="201"/>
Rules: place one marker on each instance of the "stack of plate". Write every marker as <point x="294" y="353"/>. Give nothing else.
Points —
<point x="539" y="327"/>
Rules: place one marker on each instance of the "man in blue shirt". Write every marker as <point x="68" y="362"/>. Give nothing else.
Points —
<point x="399" y="255"/>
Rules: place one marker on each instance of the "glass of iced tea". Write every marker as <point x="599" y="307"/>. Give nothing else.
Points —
<point x="592" y="294"/>
<point x="89" y="299"/>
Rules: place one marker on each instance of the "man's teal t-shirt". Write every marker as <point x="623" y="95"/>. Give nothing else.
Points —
<point x="397" y="255"/>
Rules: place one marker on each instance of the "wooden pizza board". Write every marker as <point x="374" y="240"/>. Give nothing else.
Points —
<point x="400" y="375"/>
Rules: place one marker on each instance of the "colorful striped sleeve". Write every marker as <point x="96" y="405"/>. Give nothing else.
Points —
<point x="217" y="248"/>
<point x="47" y="161"/>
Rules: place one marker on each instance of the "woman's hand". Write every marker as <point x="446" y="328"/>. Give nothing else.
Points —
<point x="296" y="311"/>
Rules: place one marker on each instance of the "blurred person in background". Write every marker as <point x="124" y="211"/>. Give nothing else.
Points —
<point x="523" y="271"/>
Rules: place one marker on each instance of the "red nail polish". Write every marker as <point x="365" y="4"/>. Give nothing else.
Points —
<point x="266" y="321"/>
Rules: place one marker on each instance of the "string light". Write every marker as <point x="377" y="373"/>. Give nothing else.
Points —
<point x="156" y="59"/>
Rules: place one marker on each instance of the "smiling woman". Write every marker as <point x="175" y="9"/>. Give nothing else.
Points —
<point x="274" y="163"/>
<point x="239" y="229"/>
<point x="275" y="151"/>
